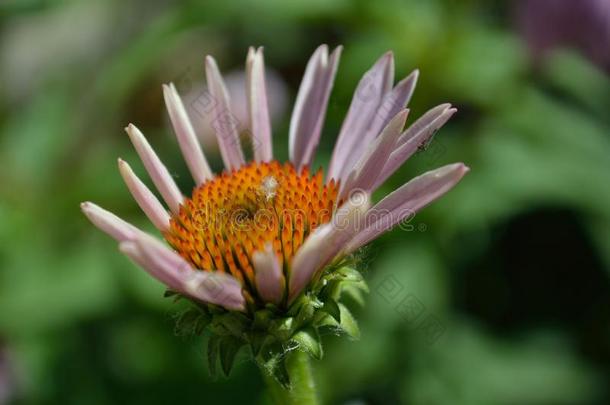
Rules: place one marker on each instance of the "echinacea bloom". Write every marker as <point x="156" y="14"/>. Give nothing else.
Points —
<point x="260" y="235"/>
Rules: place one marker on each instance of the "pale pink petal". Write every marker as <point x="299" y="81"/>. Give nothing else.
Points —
<point x="145" y="198"/>
<point x="130" y="249"/>
<point x="223" y="121"/>
<point x="365" y="172"/>
<point x="172" y="270"/>
<point x="406" y="201"/>
<point x="307" y="259"/>
<point x="413" y="138"/>
<point x="217" y="288"/>
<point x="156" y="170"/>
<point x="187" y="139"/>
<point x="432" y="120"/>
<point x="258" y="106"/>
<point x="106" y="221"/>
<point x="311" y="104"/>
<point x="371" y="90"/>
<point x="270" y="281"/>
<point x="326" y="242"/>
<point x="393" y="103"/>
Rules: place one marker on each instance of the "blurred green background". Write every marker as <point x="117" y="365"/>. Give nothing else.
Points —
<point x="512" y="266"/>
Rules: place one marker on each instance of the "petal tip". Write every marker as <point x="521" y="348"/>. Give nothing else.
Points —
<point x="210" y="62"/>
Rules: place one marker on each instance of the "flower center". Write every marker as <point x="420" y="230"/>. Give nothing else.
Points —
<point x="230" y="217"/>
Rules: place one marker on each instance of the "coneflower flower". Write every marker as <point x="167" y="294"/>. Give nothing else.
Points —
<point x="265" y="248"/>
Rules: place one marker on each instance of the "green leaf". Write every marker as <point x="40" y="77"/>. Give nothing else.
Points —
<point x="308" y="340"/>
<point x="348" y="323"/>
<point x="228" y="348"/>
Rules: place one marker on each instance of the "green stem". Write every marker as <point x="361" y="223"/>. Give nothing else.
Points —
<point x="303" y="388"/>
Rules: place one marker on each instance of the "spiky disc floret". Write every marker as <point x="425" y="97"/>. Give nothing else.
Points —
<point x="238" y="213"/>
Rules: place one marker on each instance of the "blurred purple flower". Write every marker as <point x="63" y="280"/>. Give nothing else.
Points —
<point x="580" y="24"/>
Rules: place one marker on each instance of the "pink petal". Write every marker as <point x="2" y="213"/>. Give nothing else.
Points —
<point x="258" y="106"/>
<point x="326" y="242"/>
<point x="371" y="90"/>
<point x="130" y="249"/>
<point x="172" y="270"/>
<point x="394" y="102"/>
<point x="307" y="259"/>
<point x="224" y="121"/>
<point x="270" y="281"/>
<point x="217" y="288"/>
<point x="157" y="171"/>
<point x="413" y="138"/>
<point x="145" y="198"/>
<point x="432" y="120"/>
<point x="187" y="139"/>
<point x="366" y="170"/>
<point x="406" y="201"/>
<point x="310" y="106"/>
<point x="106" y="221"/>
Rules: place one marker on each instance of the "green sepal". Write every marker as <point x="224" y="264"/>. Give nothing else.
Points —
<point x="348" y="274"/>
<point x="213" y="346"/>
<point x="257" y="341"/>
<point x="348" y="323"/>
<point x="328" y="324"/>
<point x="230" y="323"/>
<point x="192" y="321"/>
<point x="308" y="340"/>
<point x="228" y="348"/>
<point x="343" y="279"/>
<point x="307" y="311"/>
<point x="282" y="328"/>
<point x="354" y="292"/>
<point x="262" y="318"/>
<point x="272" y="331"/>
<point x="332" y="308"/>
<point x="276" y="368"/>
<point x="271" y="360"/>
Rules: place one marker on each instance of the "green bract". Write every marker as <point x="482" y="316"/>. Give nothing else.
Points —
<point x="270" y="333"/>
